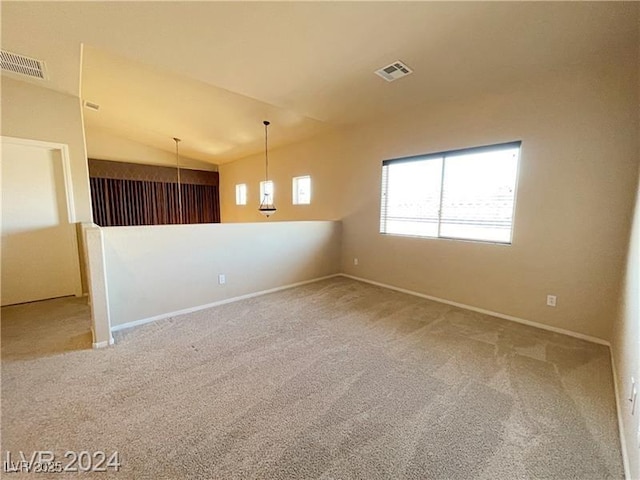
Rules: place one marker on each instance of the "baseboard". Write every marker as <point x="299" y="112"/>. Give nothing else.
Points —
<point x="523" y="321"/>
<point x="184" y="311"/>
<point x="623" y="441"/>
<point x="106" y="343"/>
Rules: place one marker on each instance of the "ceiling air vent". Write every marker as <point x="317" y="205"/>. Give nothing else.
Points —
<point x="12" y="62"/>
<point x="394" y="71"/>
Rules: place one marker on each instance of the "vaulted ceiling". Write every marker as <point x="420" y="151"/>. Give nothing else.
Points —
<point x="210" y="72"/>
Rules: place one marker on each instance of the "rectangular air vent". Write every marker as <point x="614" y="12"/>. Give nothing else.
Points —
<point x="394" y="71"/>
<point x="91" y="105"/>
<point x="12" y="62"/>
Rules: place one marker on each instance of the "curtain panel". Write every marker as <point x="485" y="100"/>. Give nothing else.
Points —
<point x="133" y="194"/>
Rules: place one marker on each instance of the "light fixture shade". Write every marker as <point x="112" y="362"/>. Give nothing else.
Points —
<point x="267" y="210"/>
<point x="266" y="207"/>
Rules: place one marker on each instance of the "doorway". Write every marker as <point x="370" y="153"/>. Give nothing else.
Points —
<point x="39" y="249"/>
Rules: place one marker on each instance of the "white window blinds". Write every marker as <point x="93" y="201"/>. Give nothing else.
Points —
<point x="465" y="194"/>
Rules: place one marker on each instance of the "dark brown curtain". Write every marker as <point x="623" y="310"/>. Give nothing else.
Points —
<point x="132" y="194"/>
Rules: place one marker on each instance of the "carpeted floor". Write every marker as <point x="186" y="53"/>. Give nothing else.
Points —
<point x="332" y="380"/>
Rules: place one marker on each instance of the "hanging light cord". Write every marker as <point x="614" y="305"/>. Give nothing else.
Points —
<point x="177" y="140"/>
<point x="266" y="205"/>
<point x="266" y="151"/>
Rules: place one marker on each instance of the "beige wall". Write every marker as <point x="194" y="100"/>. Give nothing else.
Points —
<point x="104" y="145"/>
<point x="36" y="113"/>
<point x="153" y="271"/>
<point x="317" y="158"/>
<point x="576" y="185"/>
<point x="39" y="248"/>
<point x="625" y="344"/>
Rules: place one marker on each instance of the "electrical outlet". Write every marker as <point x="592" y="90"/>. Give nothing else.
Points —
<point x="355" y="261"/>
<point x="551" y="300"/>
<point x="222" y="279"/>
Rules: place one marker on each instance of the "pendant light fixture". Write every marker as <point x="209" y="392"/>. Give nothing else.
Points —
<point x="179" y="189"/>
<point x="267" y="208"/>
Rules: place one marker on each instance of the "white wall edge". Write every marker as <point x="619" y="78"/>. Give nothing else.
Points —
<point x="103" y="344"/>
<point x="97" y="284"/>
<point x="623" y="442"/>
<point x="184" y="311"/>
<point x="530" y="323"/>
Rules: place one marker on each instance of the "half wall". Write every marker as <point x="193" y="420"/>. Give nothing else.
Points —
<point x="155" y="271"/>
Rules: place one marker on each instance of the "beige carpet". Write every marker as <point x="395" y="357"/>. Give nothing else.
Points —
<point x="333" y="380"/>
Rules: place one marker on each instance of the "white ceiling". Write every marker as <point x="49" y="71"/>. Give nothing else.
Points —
<point x="210" y="72"/>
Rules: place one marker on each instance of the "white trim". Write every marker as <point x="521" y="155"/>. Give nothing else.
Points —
<point x="530" y="323"/>
<point x="65" y="159"/>
<point x="184" y="311"/>
<point x="27" y="142"/>
<point x="85" y="176"/>
<point x="80" y="80"/>
<point x="68" y="182"/>
<point x="623" y="441"/>
<point x="66" y="166"/>
<point x="104" y="344"/>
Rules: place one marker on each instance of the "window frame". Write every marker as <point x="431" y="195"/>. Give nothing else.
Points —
<point x="295" y="200"/>
<point x="239" y="187"/>
<point x="263" y="184"/>
<point x="443" y="156"/>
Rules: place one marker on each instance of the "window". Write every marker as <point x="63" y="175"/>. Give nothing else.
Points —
<point x="266" y="188"/>
<point x="302" y="190"/>
<point x="465" y="194"/>
<point x="241" y="194"/>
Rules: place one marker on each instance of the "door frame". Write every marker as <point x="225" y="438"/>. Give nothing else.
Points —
<point x="65" y="159"/>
